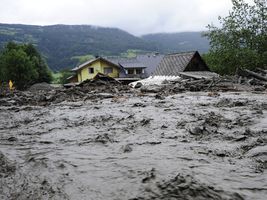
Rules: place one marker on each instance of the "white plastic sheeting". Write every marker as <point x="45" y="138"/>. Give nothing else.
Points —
<point x="156" y="80"/>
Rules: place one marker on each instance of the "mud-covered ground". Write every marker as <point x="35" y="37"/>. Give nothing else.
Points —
<point x="184" y="146"/>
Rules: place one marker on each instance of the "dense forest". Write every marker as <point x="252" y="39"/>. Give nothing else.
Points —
<point x="180" y="42"/>
<point x="61" y="45"/>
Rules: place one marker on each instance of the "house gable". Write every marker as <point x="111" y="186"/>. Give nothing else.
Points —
<point x="90" y="68"/>
<point x="196" y="64"/>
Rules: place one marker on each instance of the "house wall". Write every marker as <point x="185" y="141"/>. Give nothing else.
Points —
<point x="123" y="73"/>
<point x="74" y="79"/>
<point x="115" y="73"/>
<point x="79" y="76"/>
<point x="83" y="74"/>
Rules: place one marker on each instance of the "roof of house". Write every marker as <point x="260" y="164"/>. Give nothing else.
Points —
<point x="71" y="76"/>
<point x="128" y="63"/>
<point x="173" y="64"/>
<point x="132" y="65"/>
<point x="150" y="61"/>
<point x="92" y="61"/>
<point x="124" y="64"/>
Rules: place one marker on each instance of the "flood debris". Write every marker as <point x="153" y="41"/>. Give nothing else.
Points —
<point x="40" y="87"/>
<point x="42" y="94"/>
<point x="181" y="139"/>
<point x="244" y="80"/>
<point x="247" y="73"/>
<point x="103" y="86"/>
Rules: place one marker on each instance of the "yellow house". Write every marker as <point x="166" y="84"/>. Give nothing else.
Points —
<point x="90" y="68"/>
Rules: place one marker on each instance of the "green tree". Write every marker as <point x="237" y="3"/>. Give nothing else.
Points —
<point x="45" y="74"/>
<point x="1" y="70"/>
<point x="23" y="65"/>
<point x="242" y="39"/>
<point x="65" y="73"/>
<point x="17" y="67"/>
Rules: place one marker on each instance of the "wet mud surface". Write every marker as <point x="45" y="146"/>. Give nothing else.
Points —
<point x="183" y="146"/>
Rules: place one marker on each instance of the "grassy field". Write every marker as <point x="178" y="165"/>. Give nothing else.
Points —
<point x="56" y="78"/>
<point x="89" y="57"/>
<point x="57" y="75"/>
<point x="131" y="53"/>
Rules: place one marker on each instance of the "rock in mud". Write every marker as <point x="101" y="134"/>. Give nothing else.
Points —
<point x="196" y="130"/>
<point x="127" y="149"/>
<point x="152" y="88"/>
<point x="139" y="105"/>
<point x="105" y="95"/>
<point x="160" y="97"/>
<point x="40" y="86"/>
<point x="6" y="167"/>
<point x="185" y="187"/>
<point x="138" y="85"/>
<point x="259" y="89"/>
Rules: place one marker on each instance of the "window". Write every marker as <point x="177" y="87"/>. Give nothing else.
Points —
<point x="108" y="70"/>
<point x="139" y="71"/>
<point x="91" y="70"/>
<point x="130" y="71"/>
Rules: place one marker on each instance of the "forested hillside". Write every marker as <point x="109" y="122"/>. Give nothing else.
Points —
<point x="58" y="44"/>
<point x="63" y="45"/>
<point x="180" y="42"/>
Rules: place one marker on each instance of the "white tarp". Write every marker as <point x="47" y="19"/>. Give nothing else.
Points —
<point x="155" y="80"/>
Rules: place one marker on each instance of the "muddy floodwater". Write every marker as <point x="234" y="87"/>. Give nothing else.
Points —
<point x="183" y="146"/>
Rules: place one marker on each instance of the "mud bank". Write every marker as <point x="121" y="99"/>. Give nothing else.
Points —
<point x="136" y="146"/>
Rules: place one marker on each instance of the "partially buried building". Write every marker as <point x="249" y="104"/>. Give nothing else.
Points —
<point x="185" y="64"/>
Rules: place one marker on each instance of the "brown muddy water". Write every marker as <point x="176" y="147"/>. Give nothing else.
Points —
<point x="186" y="146"/>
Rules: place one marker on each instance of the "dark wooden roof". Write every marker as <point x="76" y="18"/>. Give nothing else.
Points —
<point x="173" y="64"/>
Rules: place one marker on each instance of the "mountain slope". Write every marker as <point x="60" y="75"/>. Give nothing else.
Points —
<point x="180" y="42"/>
<point x="59" y="43"/>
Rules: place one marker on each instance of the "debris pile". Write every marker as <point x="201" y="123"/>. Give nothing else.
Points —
<point x="102" y="83"/>
<point x="244" y="80"/>
<point x="42" y="94"/>
<point x="40" y="86"/>
<point x="103" y="86"/>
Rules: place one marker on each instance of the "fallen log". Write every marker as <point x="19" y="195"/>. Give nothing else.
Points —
<point x="247" y="73"/>
<point x="260" y="70"/>
<point x="194" y="82"/>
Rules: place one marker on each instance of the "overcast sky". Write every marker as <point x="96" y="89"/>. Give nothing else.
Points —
<point x="137" y="17"/>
